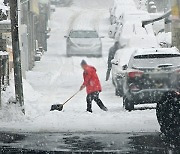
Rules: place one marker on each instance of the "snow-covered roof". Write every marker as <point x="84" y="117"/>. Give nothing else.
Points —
<point x="150" y="51"/>
<point x="3" y="53"/>
<point x="5" y="22"/>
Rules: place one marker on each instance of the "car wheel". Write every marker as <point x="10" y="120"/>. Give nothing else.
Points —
<point x="119" y="92"/>
<point x="128" y="104"/>
<point x="68" y="55"/>
<point x="98" y="56"/>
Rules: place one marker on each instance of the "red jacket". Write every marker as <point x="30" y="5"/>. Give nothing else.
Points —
<point x="91" y="80"/>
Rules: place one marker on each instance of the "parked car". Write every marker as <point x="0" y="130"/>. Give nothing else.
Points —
<point x="121" y="7"/>
<point x="132" y="37"/>
<point x="120" y="10"/>
<point x="150" y="73"/>
<point x="119" y="63"/>
<point x="114" y="29"/>
<point x="84" y="43"/>
<point x="56" y="2"/>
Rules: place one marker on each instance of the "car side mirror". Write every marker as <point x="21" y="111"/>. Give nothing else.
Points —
<point x="125" y="67"/>
<point x="114" y="62"/>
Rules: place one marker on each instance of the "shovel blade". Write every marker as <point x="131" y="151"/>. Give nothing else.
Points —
<point x="57" y="107"/>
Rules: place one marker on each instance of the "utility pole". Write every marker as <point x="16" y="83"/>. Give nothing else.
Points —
<point x="176" y="23"/>
<point x="16" y="53"/>
<point x="0" y="80"/>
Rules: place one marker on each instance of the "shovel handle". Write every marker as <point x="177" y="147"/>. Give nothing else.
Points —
<point x="71" y="97"/>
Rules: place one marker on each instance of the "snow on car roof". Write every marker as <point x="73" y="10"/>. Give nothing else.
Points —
<point x="124" y="55"/>
<point x="134" y="35"/>
<point x="143" y="41"/>
<point x="150" y="51"/>
<point x="138" y="16"/>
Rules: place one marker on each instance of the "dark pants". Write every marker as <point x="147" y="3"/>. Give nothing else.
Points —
<point x="94" y="96"/>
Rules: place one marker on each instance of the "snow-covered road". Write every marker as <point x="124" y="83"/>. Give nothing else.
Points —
<point x="57" y="77"/>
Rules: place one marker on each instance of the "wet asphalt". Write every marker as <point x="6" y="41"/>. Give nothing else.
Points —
<point x="57" y="143"/>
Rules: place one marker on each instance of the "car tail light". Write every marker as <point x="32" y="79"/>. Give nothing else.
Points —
<point x="178" y="71"/>
<point x="135" y="74"/>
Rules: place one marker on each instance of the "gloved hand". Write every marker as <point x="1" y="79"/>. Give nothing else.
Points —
<point x="82" y="87"/>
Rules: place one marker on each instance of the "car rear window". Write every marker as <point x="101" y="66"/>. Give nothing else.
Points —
<point x="150" y="56"/>
<point x="83" y="34"/>
<point x="155" y="60"/>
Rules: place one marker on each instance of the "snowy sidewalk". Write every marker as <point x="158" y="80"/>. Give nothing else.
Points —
<point x="57" y="77"/>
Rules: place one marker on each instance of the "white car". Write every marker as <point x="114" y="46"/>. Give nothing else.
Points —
<point x="126" y="19"/>
<point x="84" y="43"/>
<point x="121" y="7"/>
<point x="120" y="61"/>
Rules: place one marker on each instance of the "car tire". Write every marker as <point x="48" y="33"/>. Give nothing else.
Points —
<point x="67" y="55"/>
<point x="128" y="104"/>
<point x="118" y="92"/>
<point x="98" y="56"/>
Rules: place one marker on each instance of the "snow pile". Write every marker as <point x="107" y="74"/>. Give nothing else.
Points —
<point x="134" y="35"/>
<point x="165" y="37"/>
<point x="10" y="112"/>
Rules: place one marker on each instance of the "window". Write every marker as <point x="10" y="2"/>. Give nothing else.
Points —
<point x="83" y="34"/>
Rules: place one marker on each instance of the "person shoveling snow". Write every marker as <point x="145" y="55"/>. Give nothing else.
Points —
<point x="93" y="88"/>
<point x="92" y="85"/>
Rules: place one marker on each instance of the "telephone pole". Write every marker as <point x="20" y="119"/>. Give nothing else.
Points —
<point x="176" y="23"/>
<point x="16" y="53"/>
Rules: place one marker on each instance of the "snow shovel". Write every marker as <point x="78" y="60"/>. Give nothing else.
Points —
<point x="59" y="107"/>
